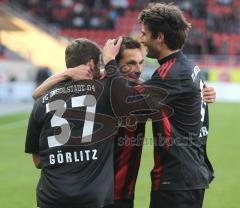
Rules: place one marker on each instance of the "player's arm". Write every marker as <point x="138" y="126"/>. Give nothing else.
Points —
<point x="142" y="101"/>
<point x="33" y="134"/>
<point x="48" y="84"/>
<point x="77" y="73"/>
<point x="144" y="98"/>
<point x="36" y="161"/>
<point x="111" y="49"/>
<point x="172" y="88"/>
<point x="209" y="94"/>
<point x="109" y="52"/>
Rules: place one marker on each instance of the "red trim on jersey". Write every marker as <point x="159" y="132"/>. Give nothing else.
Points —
<point x="167" y="130"/>
<point x="131" y="186"/>
<point x="164" y="69"/>
<point x="123" y="167"/>
<point x="156" y="172"/>
<point x="172" y="62"/>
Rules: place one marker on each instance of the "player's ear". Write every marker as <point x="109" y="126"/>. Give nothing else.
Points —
<point x="160" y="37"/>
<point x="91" y="64"/>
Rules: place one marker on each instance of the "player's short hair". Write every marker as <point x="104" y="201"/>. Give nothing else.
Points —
<point x="168" y="19"/>
<point x="80" y="51"/>
<point x="127" y="43"/>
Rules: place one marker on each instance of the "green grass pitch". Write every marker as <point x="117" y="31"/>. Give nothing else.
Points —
<point x="18" y="177"/>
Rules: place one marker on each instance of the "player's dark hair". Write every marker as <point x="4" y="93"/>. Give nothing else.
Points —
<point x="80" y="51"/>
<point x="127" y="43"/>
<point x="168" y="19"/>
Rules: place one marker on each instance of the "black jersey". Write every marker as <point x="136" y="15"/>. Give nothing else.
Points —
<point x="129" y="140"/>
<point x="72" y="129"/>
<point x="203" y="137"/>
<point x="179" y="159"/>
<point x="127" y="156"/>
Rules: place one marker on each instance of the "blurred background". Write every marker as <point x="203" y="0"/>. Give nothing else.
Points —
<point x="33" y="37"/>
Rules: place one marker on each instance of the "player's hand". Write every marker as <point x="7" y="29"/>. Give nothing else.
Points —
<point x="102" y="74"/>
<point x="111" y="49"/>
<point x="209" y="94"/>
<point x="80" y="72"/>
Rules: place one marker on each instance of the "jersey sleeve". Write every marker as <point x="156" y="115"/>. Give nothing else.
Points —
<point x="33" y="131"/>
<point x="138" y="97"/>
<point x="141" y="100"/>
<point x="171" y="87"/>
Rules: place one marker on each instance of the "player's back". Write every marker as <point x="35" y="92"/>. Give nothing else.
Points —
<point x="76" y="145"/>
<point x="183" y="86"/>
<point x="179" y="161"/>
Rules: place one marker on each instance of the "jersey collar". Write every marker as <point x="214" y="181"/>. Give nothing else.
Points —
<point x="173" y="55"/>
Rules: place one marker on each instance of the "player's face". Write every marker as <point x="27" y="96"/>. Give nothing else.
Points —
<point x="151" y="44"/>
<point x="133" y="60"/>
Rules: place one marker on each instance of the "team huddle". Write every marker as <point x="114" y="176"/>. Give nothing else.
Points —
<point x="87" y="127"/>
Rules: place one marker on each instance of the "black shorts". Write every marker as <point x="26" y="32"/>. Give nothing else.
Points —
<point x="177" y="199"/>
<point x="121" y="204"/>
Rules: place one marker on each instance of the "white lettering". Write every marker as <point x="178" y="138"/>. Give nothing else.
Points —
<point x="60" y="157"/>
<point x="196" y="70"/>
<point x="94" y="154"/>
<point x="72" y="157"/>
<point x="87" y="154"/>
<point x="75" y="157"/>
<point x="52" y="159"/>
<point x="81" y="155"/>
<point x="68" y="157"/>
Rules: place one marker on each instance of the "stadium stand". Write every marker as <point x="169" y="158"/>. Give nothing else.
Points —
<point x="2" y="51"/>
<point x="215" y="22"/>
<point x="6" y="53"/>
<point x="215" y="25"/>
<point x="213" y="42"/>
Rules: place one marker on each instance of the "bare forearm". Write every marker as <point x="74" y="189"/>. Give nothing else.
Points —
<point x="36" y="161"/>
<point x="48" y="84"/>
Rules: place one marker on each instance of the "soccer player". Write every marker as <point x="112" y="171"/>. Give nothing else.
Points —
<point x="76" y="163"/>
<point x="76" y="167"/>
<point x="181" y="172"/>
<point x="71" y="131"/>
<point x="128" y="144"/>
<point x="129" y="141"/>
